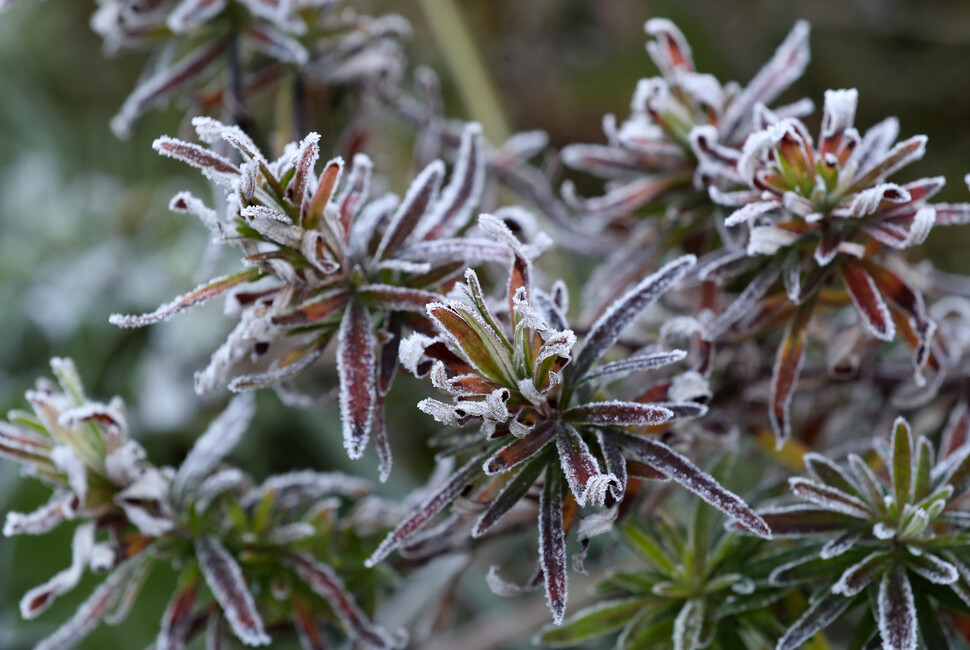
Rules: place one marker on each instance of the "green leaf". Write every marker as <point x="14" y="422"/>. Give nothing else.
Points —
<point x="651" y="551"/>
<point x="592" y="622"/>
<point x="902" y="462"/>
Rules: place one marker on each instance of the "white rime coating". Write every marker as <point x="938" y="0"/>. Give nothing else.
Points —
<point x="223" y="434"/>
<point x="225" y="579"/>
<point x="355" y="367"/>
<point x="897" y="612"/>
<point x="828" y="497"/>
<point x="749" y="212"/>
<point x="67" y="461"/>
<point x="279" y="45"/>
<point x="41" y="597"/>
<point x="59" y="507"/>
<point x="189" y="14"/>
<point x="885" y="330"/>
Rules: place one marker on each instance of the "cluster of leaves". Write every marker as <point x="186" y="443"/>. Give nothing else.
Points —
<point x="753" y="230"/>
<point x="251" y="556"/>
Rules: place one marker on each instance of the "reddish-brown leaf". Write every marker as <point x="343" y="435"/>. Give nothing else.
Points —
<point x="355" y="366"/>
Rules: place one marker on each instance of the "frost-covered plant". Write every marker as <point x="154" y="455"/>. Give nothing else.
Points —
<point x="823" y="218"/>
<point x="653" y="161"/>
<point x="325" y="261"/>
<point x="703" y="589"/>
<point x="194" y="40"/>
<point x="251" y="556"/>
<point x="891" y="533"/>
<point x="544" y="410"/>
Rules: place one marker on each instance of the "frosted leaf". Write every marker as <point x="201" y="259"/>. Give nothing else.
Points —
<point x="590" y="526"/>
<point x="102" y="557"/>
<point x="618" y="414"/>
<point x="145" y="503"/>
<point x="861" y="574"/>
<point x="749" y="212"/>
<point x="190" y="14"/>
<point x="219" y="439"/>
<point x="232" y="134"/>
<point x="444" y="413"/>
<point x="278" y="45"/>
<point x="898" y="157"/>
<point x="294" y="489"/>
<point x="829" y="498"/>
<point x="178" y="618"/>
<point x="61" y="506"/>
<point x="768" y="240"/>
<point x="581" y="468"/>
<point x="552" y="545"/>
<point x="875" y="144"/>
<point x="683" y="472"/>
<point x="273" y="225"/>
<point x="40" y="598"/>
<point x="868" y="301"/>
<point x="600" y="160"/>
<point x="65" y="459"/>
<point x="288" y="534"/>
<point x="213" y="166"/>
<point x="367" y="223"/>
<point x="870" y="200"/>
<point x="201" y="294"/>
<point x="421" y="195"/>
<point x="216" y="484"/>
<point x="897" y="612"/>
<point x="688" y="625"/>
<point x="608" y="327"/>
<point x="233" y="349"/>
<point x="689" y="386"/>
<point x="164" y="84"/>
<point x="98" y="604"/>
<point x="123" y="465"/>
<point x="470" y="250"/>
<point x="637" y="363"/>
<point x="110" y="417"/>
<point x="355" y="366"/>
<point x="278" y="374"/>
<point x="395" y="298"/>
<point x="838" y="113"/>
<point x="817" y="617"/>
<point x="502" y="587"/>
<point x="411" y="351"/>
<point x="226" y="581"/>
<point x="933" y="568"/>
<point x="137" y="572"/>
<point x="326" y="584"/>
<point x="745" y="303"/>
<point x="452" y="211"/>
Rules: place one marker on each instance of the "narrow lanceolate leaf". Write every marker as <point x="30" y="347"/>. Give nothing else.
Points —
<point x="636" y="363"/>
<point x="314" y="310"/>
<point x="591" y="623"/>
<point x="800" y="520"/>
<point x="902" y="467"/>
<point x="355" y="366"/>
<point x="688" y="625"/>
<point x="326" y="584"/>
<point x="521" y="449"/>
<point x="177" y="619"/>
<point x="623" y="311"/>
<point x="484" y="347"/>
<point x="581" y="468"/>
<point x="394" y="298"/>
<point x="321" y="196"/>
<point x="868" y="301"/>
<point x="897" y="611"/>
<point x="829" y="497"/>
<point x="830" y="473"/>
<point x="453" y="210"/>
<point x="197" y="296"/>
<point x="95" y="608"/>
<point x="517" y="487"/>
<point x="192" y="13"/>
<point x="423" y="513"/>
<point x="552" y="544"/>
<point x="422" y="193"/>
<point x="788" y="365"/>
<point x="225" y="579"/>
<point x="860" y="575"/>
<point x="215" y="444"/>
<point x="645" y="545"/>
<point x="680" y="470"/>
<point x="933" y="568"/>
<point x="817" y="617"/>
<point x="618" y="414"/>
<point x="164" y="84"/>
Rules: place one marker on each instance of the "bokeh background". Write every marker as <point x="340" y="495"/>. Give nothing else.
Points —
<point x="84" y="228"/>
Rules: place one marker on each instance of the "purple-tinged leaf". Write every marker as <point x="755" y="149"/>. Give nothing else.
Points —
<point x="422" y="193"/>
<point x="310" y="635"/>
<point x="863" y="573"/>
<point x="830" y="473"/>
<point x="277" y="44"/>
<point x="305" y="162"/>
<point x="215" y="444"/>
<point x="197" y="156"/>
<point x="552" y="544"/>
<point x="618" y="414"/>
<point x="682" y="471"/>
<point x="623" y="199"/>
<point x="177" y="619"/>
<point x="164" y="84"/>
<point x="601" y="160"/>
<point x="453" y="210"/>
<point x="788" y="366"/>
<point x="225" y="579"/>
<point x="195" y="297"/>
<point x="897" y="611"/>
<point x="875" y="144"/>
<point x="581" y="468"/>
<point x="314" y="310"/>
<point x="785" y="66"/>
<point x="616" y="464"/>
<point x="635" y="363"/>
<point x="470" y="251"/>
<point x="750" y="212"/>
<point x="839" y="545"/>
<point x="623" y="311"/>
<point x="957" y="431"/>
<point x="326" y="584"/>
<point x="190" y="14"/>
<point x="799" y="520"/>
<point x="62" y="506"/>
<point x="933" y="568"/>
<point x="96" y="607"/>
<point x="899" y="156"/>
<point x="393" y="298"/>
<point x="520" y="449"/>
<point x="817" y="617"/>
<point x="355" y="191"/>
<point x="513" y="491"/>
<point x="421" y="515"/>
<point x="829" y="498"/>
<point x="868" y="301"/>
<point x="41" y="597"/>
<point x="952" y="214"/>
<point x="24" y="446"/>
<point x="355" y="366"/>
<point x="745" y="303"/>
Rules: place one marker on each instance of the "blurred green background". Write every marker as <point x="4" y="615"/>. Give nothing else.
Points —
<point x="85" y="231"/>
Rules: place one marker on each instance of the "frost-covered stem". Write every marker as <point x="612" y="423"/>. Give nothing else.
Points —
<point x="467" y="69"/>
